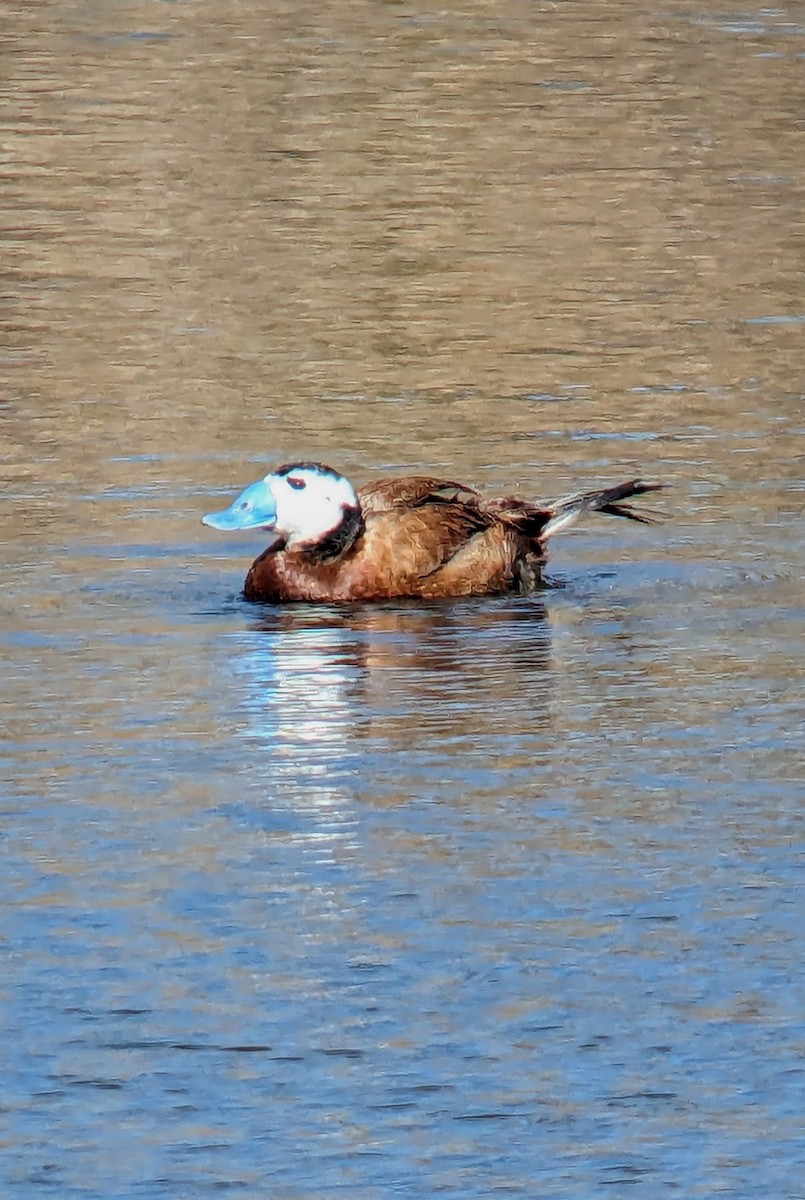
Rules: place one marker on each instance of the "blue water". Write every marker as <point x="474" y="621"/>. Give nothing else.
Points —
<point x="477" y="899"/>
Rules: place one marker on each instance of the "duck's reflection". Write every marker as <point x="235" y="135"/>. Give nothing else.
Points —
<point x="343" y="700"/>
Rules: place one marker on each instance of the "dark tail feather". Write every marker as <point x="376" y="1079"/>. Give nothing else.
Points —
<point x="608" y="500"/>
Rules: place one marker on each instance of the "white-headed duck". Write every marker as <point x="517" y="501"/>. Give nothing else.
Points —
<point x="412" y="536"/>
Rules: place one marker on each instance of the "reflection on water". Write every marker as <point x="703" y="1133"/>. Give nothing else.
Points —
<point x="425" y="655"/>
<point x="323" y="687"/>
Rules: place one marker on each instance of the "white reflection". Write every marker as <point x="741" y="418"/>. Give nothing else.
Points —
<point x="299" y="682"/>
<point x="349" y="704"/>
<point x="309" y="685"/>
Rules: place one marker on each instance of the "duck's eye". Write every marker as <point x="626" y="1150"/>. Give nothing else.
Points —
<point x="296" y="483"/>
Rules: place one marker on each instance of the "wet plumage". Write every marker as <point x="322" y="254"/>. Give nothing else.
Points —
<point x="412" y="536"/>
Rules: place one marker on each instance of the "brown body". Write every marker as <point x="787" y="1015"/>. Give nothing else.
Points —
<point x="426" y="538"/>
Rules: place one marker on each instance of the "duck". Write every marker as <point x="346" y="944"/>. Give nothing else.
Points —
<point x="405" y="537"/>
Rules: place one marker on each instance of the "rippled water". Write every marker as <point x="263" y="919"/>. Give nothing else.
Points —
<point x="474" y="899"/>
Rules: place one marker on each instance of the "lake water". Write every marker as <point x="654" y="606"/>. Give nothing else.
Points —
<point x="500" y="898"/>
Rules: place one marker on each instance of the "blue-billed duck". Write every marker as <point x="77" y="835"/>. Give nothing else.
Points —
<point x="412" y="536"/>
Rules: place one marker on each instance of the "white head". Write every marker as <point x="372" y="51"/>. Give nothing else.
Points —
<point x="301" y="502"/>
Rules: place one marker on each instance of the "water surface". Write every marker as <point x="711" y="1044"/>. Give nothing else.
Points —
<point x="478" y="899"/>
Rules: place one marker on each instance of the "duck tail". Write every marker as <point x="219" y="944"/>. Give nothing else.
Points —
<point x="609" y="500"/>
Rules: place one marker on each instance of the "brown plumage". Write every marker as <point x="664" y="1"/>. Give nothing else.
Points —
<point x="413" y="536"/>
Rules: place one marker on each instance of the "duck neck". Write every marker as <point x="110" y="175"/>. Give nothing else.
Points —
<point x="337" y="541"/>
